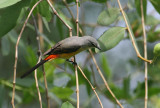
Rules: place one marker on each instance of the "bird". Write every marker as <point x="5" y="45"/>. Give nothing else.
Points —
<point x="66" y="49"/>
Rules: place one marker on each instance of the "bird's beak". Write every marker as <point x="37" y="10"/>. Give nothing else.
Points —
<point x="99" y="47"/>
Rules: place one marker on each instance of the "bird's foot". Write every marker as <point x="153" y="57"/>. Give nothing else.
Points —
<point x="71" y="61"/>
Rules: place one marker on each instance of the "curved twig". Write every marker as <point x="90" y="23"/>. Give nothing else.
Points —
<point x="104" y="80"/>
<point x="91" y="86"/>
<point x="16" y="53"/>
<point x="131" y="36"/>
<point x="145" y="56"/>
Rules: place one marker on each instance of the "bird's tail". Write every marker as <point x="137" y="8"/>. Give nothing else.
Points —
<point x="39" y="64"/>
<point x="33" y="68"/>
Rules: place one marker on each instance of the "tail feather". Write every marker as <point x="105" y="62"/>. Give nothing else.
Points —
<point x="39" y="64"/>
<point x="33" y="68"/>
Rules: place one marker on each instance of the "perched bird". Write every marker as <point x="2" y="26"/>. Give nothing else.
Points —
<point x="66" y="48"/>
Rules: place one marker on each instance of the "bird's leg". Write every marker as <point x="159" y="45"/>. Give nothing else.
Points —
<point x="71" y="61"/>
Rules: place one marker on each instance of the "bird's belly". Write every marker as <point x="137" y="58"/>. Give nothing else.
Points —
<point x="69" y="55"/>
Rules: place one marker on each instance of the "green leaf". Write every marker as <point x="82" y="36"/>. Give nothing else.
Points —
<point x="153" y="36"/>
<point x="62" y="93"/>
<point x="31" y="56"/>
<point x="108" y="16"/>
<point x="138" y="7"/>
<point x="66" y="19"/>
<point x="126" y="87"/>
<point x="46" y="24"/>
<point x="151" y="20"/>
<point x="49" y="69"/>
<point x="100" y="1"/>
<point x="82" y="80"/>
<point x="116" y="90"/>
<point x="9" y="16"/>
<point x="130" y="30"/>
<point x="6" y="3"/>
<point x="27" y="96"/>
<point x="5" y="46"/>
<point x="18" y="99"/>
<point x="151" y="90"/>
<point x="111" y="38"/>
<point x="105" y="66"/>
<point x="44" y="10"/>
<point x="67" y="105"/>
<point x="156" y="4"/>
<point x="25" y="82"/>
<point x="2" y="94"/>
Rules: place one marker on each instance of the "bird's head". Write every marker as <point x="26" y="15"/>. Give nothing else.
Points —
<point x="91" y="42"/>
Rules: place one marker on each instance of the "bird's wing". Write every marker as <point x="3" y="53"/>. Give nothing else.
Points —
<point x="64" y="46"/>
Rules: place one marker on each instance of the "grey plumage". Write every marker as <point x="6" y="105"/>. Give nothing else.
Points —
<point x="72" y="44"/>
<point x="66" y="49"/>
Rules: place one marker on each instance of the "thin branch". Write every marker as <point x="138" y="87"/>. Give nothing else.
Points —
<point x="145" y="56"/>
<point x="16" y="53"/>
<point x="55" y="12"/>
<point x="107" y="86"/>
<point x="46" y="87"/>
<point x="77" y="83"/>
<point x="91" y="86"/>
<point x="39" y="59"/>
<point x="40" y="28"/>
<point x="40" y="52"/>
<point x="131" y="36"/>
<point x="104" y="80"/>
<point x="64" y="1"/>
<point x="75" y="66"/>
<point x="77" y="19"/>
<point x="36" y="80"/>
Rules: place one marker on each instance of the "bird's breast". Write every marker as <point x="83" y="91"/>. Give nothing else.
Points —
<point x="69" y="55"/>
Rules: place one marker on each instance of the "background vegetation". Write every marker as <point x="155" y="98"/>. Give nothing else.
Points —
<point x="120" y="65"/>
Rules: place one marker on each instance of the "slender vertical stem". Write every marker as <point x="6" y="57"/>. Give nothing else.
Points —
<point x="40" y="28"/>
<point x="39" y="59"/>
<point x="37" y="86"/>
<point x="104" y="80"/>
<point x="40" y="52"/>
<point x="91" y="86"/>
<point x="46" y="87"/>
<point x="131" y="36"/>
<point x="76" y="72"/>
<point x="77" y="84"/>
<point x="145" y="56"/>
<point x="77" y="19"/>
<point x="107" y="86"/>
<point x="16" y="53"/>
<point x="64" y="1"/>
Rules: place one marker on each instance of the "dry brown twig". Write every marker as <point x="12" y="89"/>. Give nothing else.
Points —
<point x="70" y="33"/>
<point x="39" y="59"/>
<point x="40" y="54"/>
<point x="16" y="47"/>
<point x="75" y="66"/>
<point x="91" y="86"/>
<point x="79" y="29"/>
<point x="55" y="12"/>
<point x="145" y="56"/>
<point x="106" y="84"/>
<point x="36" y="80"/>
<point x="104" y="80"/>
<point x="131" y="36"/>
<point x="16" y="53"/>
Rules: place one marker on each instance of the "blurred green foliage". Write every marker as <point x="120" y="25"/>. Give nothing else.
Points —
<point x="100" y="18"/>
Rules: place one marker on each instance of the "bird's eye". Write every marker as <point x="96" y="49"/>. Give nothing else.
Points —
<point x="92" y="43"/>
